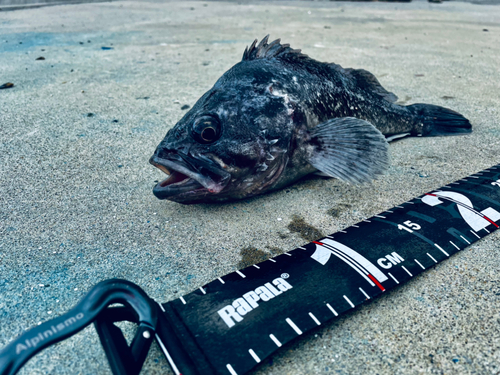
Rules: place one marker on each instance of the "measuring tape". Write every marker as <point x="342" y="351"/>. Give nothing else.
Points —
<point x="233" y="323"/>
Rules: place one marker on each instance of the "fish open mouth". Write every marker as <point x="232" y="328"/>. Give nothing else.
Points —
<point x="188" y="177"/>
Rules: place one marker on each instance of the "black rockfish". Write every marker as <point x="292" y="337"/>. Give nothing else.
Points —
<point x="279" y="115"/>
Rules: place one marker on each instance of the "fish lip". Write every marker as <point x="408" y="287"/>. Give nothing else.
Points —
<point x="213" y="181"/>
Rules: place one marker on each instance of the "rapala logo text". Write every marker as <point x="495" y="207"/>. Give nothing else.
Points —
<point x="233" y="313"/>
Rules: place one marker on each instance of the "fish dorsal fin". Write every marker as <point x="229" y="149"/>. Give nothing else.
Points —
<point x="265" y="50"/>
<point x="367" y="80"/>
<point x="349" y="149"/>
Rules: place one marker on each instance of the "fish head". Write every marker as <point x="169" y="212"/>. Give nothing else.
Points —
<point x="232" y="144"/>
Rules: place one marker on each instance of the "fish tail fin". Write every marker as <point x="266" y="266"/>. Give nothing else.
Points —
<point x="349" y="149"/>
<point x="434" y="120"/>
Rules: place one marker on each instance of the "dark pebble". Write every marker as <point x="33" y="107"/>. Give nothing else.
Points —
<point x="90" y="115"/>
<point x="40" y="58"/>
<point x="119" y="165"/>
<point x="185" y="106"/>
<point x="115" y="121"/>
<point x="486" y="30"/>
<point x="106" y="48"/>
<point x="7" y="85"/>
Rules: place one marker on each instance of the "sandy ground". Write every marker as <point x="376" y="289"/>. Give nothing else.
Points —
<point x="78" y="128"/>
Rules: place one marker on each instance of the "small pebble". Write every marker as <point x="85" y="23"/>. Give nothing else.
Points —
<point x="7" y="85"/>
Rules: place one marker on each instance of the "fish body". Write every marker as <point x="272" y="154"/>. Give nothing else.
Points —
<point x="279" y="115"/>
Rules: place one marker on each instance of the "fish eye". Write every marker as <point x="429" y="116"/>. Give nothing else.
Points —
<point x="206" y="129"/>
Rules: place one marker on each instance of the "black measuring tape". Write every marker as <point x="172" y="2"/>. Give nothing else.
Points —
<point x="234" y="322"/>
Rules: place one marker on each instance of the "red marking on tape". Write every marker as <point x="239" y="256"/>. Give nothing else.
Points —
<point x="318" y="243"/>
<point x="432" y="195"/>
<point x="376" y="282"/>
<point x="491" y="221"/>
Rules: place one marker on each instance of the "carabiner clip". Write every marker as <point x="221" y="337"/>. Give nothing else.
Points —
<point x="123" y="359"/>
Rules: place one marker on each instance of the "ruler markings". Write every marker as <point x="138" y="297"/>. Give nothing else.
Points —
<point x="392" y="277"/>
<point x="465" y="239"/>
<point x="231" y="370"/>
<point x="366" y="295"/>
<point x="475" y="234"/>
<point x="420" y="264"/>
<point x="314" y="318"/>
<point x="349" y="301"/>
<point x="430" y="256"/>
<point x="254" y="356"/>
<point x="241" y="274"/>
<point x="408" y="272"/>
<point x="275" y="340"/>
<point x="294" y="326"/>
<point x="455" y="245"/>
<point x="440" y="248"/>
<point x="332" y="309"/>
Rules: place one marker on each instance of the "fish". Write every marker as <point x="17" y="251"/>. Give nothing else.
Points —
<point x="279" y="115"/>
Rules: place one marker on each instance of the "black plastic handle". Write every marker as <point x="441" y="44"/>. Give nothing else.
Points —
<point x="107" y="292"/>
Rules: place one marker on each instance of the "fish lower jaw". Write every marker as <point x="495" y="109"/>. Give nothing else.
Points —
<point x="177" y="185"/>
<point x="185" y="183"/>
<point x="178" y="179"/>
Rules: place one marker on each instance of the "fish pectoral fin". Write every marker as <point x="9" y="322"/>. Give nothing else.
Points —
<point x="349" y="149"/>
<point x="367" y="80"/>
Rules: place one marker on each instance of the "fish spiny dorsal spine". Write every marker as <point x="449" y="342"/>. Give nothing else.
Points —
<point x="272" y="50"/>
